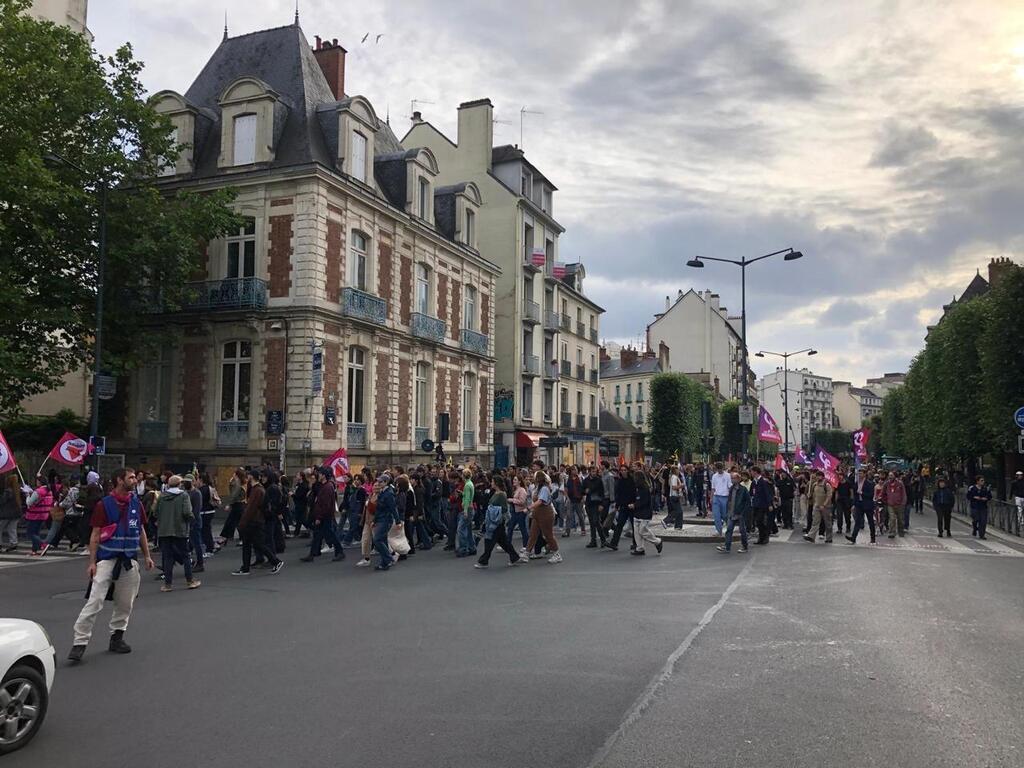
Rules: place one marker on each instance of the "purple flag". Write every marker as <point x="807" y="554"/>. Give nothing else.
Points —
<point x="800" y="457"/>
<point x="768" y="430"/>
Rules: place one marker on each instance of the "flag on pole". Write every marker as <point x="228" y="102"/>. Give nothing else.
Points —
<point x="338" y="462"/>
<point x="828" y="464"/>
<point x="860" y="443"/>
<point x="7" y="462"/>
<point x="768" y="430"/>
<point x="780" y="463"/>
<point x="800" y="456"/>
<point x="558" y="270"/>
<point x="70" y="449"/>
<point x="538" y="257"/>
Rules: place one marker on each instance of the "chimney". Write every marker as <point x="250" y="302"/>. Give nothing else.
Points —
<point x="667" y="305"/>
<point x="476" y="132"/>
<point x="998" y="269"/>
<point x="604" y="356"/>
<point x="331" y="58"/>
<point x="648" y="354"/>
<point x="718" y="386"/>
<point x="417" y="117"/>
<point x="663" y="356"/>
<point x="627" y="357"/>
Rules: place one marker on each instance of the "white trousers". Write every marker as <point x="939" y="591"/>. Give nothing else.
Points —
<point x="125" y="590"/>
<point x="642" y="532"/>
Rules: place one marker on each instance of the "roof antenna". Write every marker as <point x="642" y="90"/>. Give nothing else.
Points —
<point x="296" y="13"/>
<point x="225" y="24"/>
<point x="524" y="111"/>
<point x="414" y="102"/>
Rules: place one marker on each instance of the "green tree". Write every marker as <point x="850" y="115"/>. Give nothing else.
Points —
<point x="893" y="441"/>
<point x="731" y="435"/>
<point x="875" y="440"/>
<point x="674" y="418"/>
<point x="58" y="97"/>
<point x="1001" y="348"/>
<point x="838" y="442"/>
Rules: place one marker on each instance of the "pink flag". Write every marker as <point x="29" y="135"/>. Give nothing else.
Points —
<point x="860" y="443"/>
<point x="799" y="457"/>
<point x="558" y="270"/>
<point x="823" y="459"/>
<point x="338" y="462"/>
<point x="780" y="463"/>
<point x="768" y="430"/>
<point x="7" y="461"/>
<point x="538" y="257"/>
<point x="70" y="449"/>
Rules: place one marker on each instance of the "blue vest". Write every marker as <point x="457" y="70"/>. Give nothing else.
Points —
<point x="125" y="540"/>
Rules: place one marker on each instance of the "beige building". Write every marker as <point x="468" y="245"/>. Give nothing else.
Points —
<point x="71" y="13"/>
<point x="546" y="328"/>
<point x="886" y="383"/>
<point x="626" y="382"/>
<point x="352" y="308"/>
<point x="853" y="405"/>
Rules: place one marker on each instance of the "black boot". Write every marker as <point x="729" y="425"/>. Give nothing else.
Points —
<point x="117" y="643"/>
<point x="75" y="656"/>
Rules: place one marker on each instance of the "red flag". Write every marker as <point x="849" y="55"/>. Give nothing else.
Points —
<point x="558" y="270"/>
<point x="538" y="257"/>
<point x="860" y="443"/>
<point x="70" y="449"/>
<point x="7" y="462"/>
<point x="780" y="463"/>
<point x="768" y="430"/>
<point x="338" y="462"/>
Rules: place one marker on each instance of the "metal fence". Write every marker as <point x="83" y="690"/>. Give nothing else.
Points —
<point x="1002" y="515"/>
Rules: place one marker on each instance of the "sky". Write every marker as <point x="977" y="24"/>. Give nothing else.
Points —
<point x="884" y="140"/>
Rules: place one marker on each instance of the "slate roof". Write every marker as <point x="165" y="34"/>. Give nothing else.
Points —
<point x="610" y="422"/>
<point x="862" y="392"/>
<point x="977" y="287"/>
<point x="611" y="369"/>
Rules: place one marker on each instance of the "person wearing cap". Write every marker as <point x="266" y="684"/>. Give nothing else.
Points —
<point x="325" y="506"/>
<point x="384" y="518"/>
<point x="174" y="516"/>
<point x="1017" y="492"/>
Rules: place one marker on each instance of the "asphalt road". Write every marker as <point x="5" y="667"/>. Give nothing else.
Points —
<point x="793" y="655"/>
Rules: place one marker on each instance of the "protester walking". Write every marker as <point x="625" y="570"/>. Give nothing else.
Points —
<point x="863" y="506"/>
<point x="252" y="529"/>
<point x="495" y="522"/>
<point x="325" y="506"/>
<point x="174" y="518"/>
<point x="642" y="515"/>
<point x="978" y="497"/>
<point x="942" y="503"/>
<point x="820" y="496"/>
<point x="720" y="484"/>
<point x="542" y="521"/>
<point x="894" y="497"/>
<point x="11" y="509"/>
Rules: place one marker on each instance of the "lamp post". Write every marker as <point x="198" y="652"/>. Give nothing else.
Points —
<point x="785" y="388"/>
<point x="54" y="159"/>
<point x="698" y="263"/>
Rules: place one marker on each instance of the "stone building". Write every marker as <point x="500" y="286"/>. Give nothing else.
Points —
<point x="351" y="307"/>
<point x="626" y="382"/>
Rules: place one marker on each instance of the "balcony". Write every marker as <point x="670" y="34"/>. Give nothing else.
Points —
<point x="421" y="434"/>
<point x="531" y="365"/>
<point x="639" y="397"/>
<point x="565" y="323"/>
<point x="551" y="371"/>
<point x="468" y="439"/>
<point x="152" y="434"/>
<point x="593" y="423"/>
<point x="232" y="434"/>
<point x="363" y="306"/>
<point x="581" y="421"/>
<point x="581" y="330"/>
<point x="566" y="420"/>
<point x="566" y="368"/>
<point x="531" y="312"/>
<point x="356" y="434"/>
<point x="528" y="262"/>
<point x="629" y="397"/>
<point x="471" y="341"/>
<point x="225" y="295"/>
<point x="550" y="320"/>
<point x="593" y="335"/>
<point x="593" y="377"/>
<point x="427" y="327"/>
<point x="548" y="417"/>
<point x="581" y="373"/>
<point x="617" y="400"/>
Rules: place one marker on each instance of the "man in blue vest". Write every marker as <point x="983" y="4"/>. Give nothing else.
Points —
<point x="118" y="534"/>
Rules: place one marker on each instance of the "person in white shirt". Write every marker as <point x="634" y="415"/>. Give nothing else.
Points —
<point x="675" y="498"/>
<point x="720" y="485"/>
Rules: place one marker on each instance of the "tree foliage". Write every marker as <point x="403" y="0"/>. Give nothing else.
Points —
<point x="674" y="421"/>
<point x="58" y="98"/>
<point x="41" y="432"/>
<point x="838" y="442"/>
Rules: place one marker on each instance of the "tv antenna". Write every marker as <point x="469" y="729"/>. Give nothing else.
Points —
<point x="414" y="102"/>
<point x="522" y="112"/>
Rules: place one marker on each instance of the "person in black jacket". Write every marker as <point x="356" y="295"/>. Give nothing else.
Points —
<point x="736" y="508"/>
<point x="595" y="501"/>
<point x="787" y="490"/>
<point x="942" y="502"/>
<point x="625" y="491"/>
<point x="863" y="499"/>
<point x="844" y="503"/>
<point x="761" y="496"/>
<point x="643" y="512"/>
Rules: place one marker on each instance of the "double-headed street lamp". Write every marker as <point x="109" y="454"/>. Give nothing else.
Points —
<point x="785" y="387"/>
<point x="698" y="262"/>
<point x="52" y="158"/>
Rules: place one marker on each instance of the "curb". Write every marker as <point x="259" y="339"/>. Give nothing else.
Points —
<point x="995" y="533"/>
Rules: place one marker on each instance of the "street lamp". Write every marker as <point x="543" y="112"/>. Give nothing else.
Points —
<point x="785" y="389"/>
<point x="52" y="158"/>
<point x="698" y="263"/>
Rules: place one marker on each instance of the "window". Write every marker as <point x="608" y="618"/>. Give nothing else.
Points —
<point x="236" y="373"/>
<point x="357" y="264"/>
<point x="546" y="199"/>
<point x="617" y="412"/>
<point x="639" y="414"/>
<point x="527" y="243"/>
<point x="579" y="356"/>
<point x="579" y="402"/>
<point x="565" y="352"/>
<point x="155" y="389"/>
<point x="469" y="308"/>
<point x="526" y="408"/>
<point x="470" y="234"/>
<point x="563" y="400"/>
<point x="468" y="401"/>
<point x="422" y="396"/>
<point x="639" y="390"/>
<point x="528" y="288"/>
<point x="242" y="251"/>
<point x="593" y="406"/>
<point x="356" y="385"/>
<point x="629" y="413"/>
<point x="245" y="140"/>
<point x="424" y="198"/>
<point x="423" y="289"/>
<point x="618" y="394"/>
<point x="593" y="367"/>
<point x="526" y="188"/>
<point x="358" y="169"/>
<point x="549" y="255"/>
<point x="579" y="315"/>
<point x="629" y="391"/>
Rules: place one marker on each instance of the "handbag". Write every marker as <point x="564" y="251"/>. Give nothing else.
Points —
<point x="57" y="513"/>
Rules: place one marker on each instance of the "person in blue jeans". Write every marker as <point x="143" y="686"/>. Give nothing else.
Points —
<point x="383" y="520"/>
<point x="355" y="500"/>
<point x="721" y="482"/>
<point x="978" y="496"/>
<point x="737" y="508"/>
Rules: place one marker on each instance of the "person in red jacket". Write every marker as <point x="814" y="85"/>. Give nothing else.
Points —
<point x="894" y="496"/>
<point x="325" y="506"/>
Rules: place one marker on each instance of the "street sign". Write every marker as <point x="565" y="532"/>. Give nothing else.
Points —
<point x="427" y="446"/>
<point x="330" y="415"/>
<point x="99" y="444"/>
<point x="1018" y="417"/>
<point x="106" y="386"/>
<point x="746" y="414"/>
<point x="553" y="442"/>
<point x="318" y="371"/>
<point x="275" y="421"/>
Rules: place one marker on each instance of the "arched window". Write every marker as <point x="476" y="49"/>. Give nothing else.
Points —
<point x="236" y="377"/>
<point x="359" y="258"/>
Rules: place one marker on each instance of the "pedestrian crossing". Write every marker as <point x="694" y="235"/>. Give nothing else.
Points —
<point x="924" y="539"/>
<point x="23" y="557"/>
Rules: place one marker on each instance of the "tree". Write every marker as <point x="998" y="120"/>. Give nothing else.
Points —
<point x="731" y="439"/>
<point x="874" y="423"/>
<point x="894" y="423"/>
<point x="838" y="442"/>
<point x="674" y="418"/>
<point x="1002" y="360"/>
<point x="59" y="98"/>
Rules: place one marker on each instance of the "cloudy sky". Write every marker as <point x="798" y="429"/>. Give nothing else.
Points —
<point x="885" y="140"/>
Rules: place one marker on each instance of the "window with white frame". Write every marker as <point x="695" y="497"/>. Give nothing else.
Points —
<point x="164" y="166"/>
<point x="469" y="308"/>
<point x="470" y="233"/>
<point x="424" y="209"/>
<point x="593" y="406"/>
<point x="423" y="289"/>
<point x="356" y="394"/>
<point x="422" y="395"/>
<point x="244" y="150"/>
<point x="241" y="253"/>
<point x="359" y="256"/>
<point x="468" y="402"/>
<point x="358" y="165"/>
<point x="155" y="389"/>
<point x="236" y="377"/>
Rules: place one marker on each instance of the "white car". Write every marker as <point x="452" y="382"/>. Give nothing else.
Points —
<point x="27" y="663"/>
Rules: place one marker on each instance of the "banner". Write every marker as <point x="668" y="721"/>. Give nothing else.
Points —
<point x="338" y="462"/>
<point x="799" y="457"/>
<point x="538" y="257"/>
<point x="7" y="462"/>
<point x="70" y="449"/>
<point x="768" y="430"/>
<point x="558" y="270"/>
<point x="828" y="464"/>
<point x="860" y="443"/>
<point x="780" y="463"/>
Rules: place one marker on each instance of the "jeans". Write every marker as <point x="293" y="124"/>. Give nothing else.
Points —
<point x="196" y="537"/>
<point x="622" y="516"/>
<point x="573" y="511"/>
<point x="254" y="537"/>
<point x="594" y="515"/>
<point x="719" y="507"/>
<point x="501" y="539"/>
<point x="174" y="549"/>
<point x="728" y="531"/>
<point x="381" y="528"/>
<point x="979" y="521"/>
<point x="943" y="515"/>
<point x="906" y="517"/>
<point x="354" y="530"/>
<point x="858" y="522"/>
<point x="466" y="542"/>
<point x="32" y="528"/>
<point x="518" y="520"/>
<point x="325" y="530"/>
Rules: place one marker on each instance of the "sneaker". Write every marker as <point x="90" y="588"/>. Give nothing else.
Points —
<point x="638" y="552"/>
<point x="535" y="556"/>
<point x="240" y="572"/>
<point x="480" y="565"/>
<point x="743" y="550"/>
<point x="811" y="539"/>
<point x="76" y="653"/>
<point x="722" y="548"/>
<point x="382" y="567"/>
<point x="363" y="563"/>
<point x="659" y="546"/>
<point x="338" y="557"/>
<point x="166" y="588"/>
<point x="520" y="561"/>
<point x="277" y="566"/>
<point x="555" y="558"/>
<point x="194" y="584"/>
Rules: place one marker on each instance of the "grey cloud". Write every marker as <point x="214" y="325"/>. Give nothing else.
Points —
<point x="843" y="312"/>
<point x="899" y="145"/>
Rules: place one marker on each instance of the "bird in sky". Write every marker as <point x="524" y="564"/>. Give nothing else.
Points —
<point x="379" y="37"/>
<point x="364" y="37"/>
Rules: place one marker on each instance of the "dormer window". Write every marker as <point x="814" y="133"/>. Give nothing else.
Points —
<point x="358" y="166"/>
<point x="527" y="184"/>
<point x="245" y="140"/>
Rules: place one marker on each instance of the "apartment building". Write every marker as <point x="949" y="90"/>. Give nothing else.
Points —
<point x="810" y="404"/>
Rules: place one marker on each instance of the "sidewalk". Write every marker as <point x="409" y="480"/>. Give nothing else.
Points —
<point x="991" y="532"/>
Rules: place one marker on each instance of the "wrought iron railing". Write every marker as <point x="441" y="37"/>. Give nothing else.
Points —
<point x="593" y="335"/>
<point x="551" y="370"/>
<point x="593" y="423"/>
<point x="551" y="320"/>
<point x="566" y="368"/>
<point x="472" y="341"/>
<point x="531" y="311"/>
<point x="593" y="376"/>
<point x="531" y="365"/>
<point x="566" y="420"/>
<point x="564" y="322"/>
<point x="232" y="434"/>
<point x="1002" y="515"/>
<point x="427" y="327"/>
<point x="581" y="373"/>
<point x="581" y="421"/>
<point x="363" y="306"/>
<point x="356" y="435"/>
<point x="152" y="434"/>
<point x="581" y="330"/>
<point x="223" y="295"/>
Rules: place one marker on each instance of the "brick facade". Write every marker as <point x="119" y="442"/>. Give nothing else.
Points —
<point x="456" y="323"/>
<point x="442" y="297"/>
<point x="332" y="385"/>
<point x="193" y="388"/>
<point x="335" y="260"/>
<point x="381" y="399"/>
<point x="385" y="270"/>
<point x="404" y="399"/>
<point x="405" y="289"/>
<point x="454" y="385"/>
<point x="485" y="312"/>
<point x="279" y="255"/>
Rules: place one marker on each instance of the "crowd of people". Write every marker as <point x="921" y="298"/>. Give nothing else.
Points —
<point x="391" y="513"/>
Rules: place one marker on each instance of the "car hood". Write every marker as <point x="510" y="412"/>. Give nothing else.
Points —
<point x="22" y="634"/>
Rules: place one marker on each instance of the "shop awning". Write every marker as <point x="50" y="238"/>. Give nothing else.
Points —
<point x="528" y="439"/>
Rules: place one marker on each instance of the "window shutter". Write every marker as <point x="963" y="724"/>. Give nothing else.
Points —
<point x="245" y="140"/>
